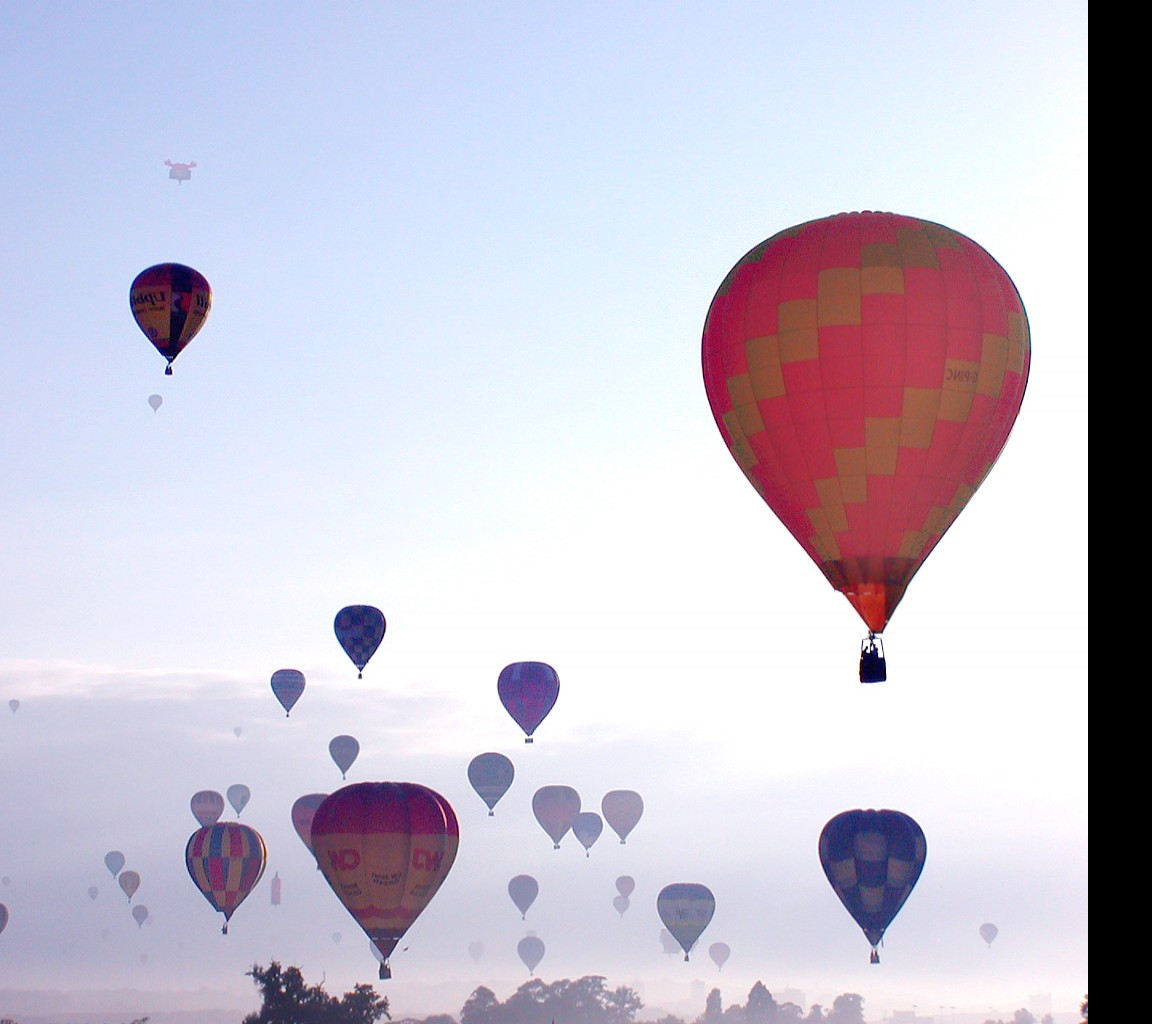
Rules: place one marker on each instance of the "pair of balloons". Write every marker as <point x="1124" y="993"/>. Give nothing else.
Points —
<point x="865" y="371"/>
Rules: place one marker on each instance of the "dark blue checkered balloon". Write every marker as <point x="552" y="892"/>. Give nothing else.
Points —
<point x="359" y="628"/>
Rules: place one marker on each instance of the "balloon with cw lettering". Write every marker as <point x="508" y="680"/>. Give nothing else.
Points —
<point x="586" y="827"/>
<point x="523" y="889"/>
<point x="139" y="914"/>
<point x="865" y="371"/>
<point x="556" y="808"/>
<point x="129" y="883"/>
<point x="873" y="859"/>
<point x="988" y="933"/>
<point x="622" y="809"/>
<point x="170" y="303"/>
<point x="359" y="629"/>
<point x="287" y="685"/>
<point x="238" y="796"/>
<point x="686" y="908"/>
<point x="719" y="952"/>
<point x="225" y="861"/>
<point x="303" y="811"/>
<point x="207" y="806"/>
<point x="530" y="949"/>
<point x="528" y="691"/>
<point x="114" y="861"/>
<point x="385" y="848"/>
<point x="491" y="776"/>
<point x="344" y="750"/>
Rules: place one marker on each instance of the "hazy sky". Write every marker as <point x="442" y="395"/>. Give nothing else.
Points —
<point x="461" y="257"/>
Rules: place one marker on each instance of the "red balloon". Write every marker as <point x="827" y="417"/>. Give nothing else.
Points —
<point x="170" y="303"/>
<point x="865" y="371"/>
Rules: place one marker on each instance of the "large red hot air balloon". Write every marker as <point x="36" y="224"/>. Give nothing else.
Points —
<point x="170" y="303"/>
<point x="865" y="371"/>
<point x="385" y="848"/>
<point x="225" y="860"/>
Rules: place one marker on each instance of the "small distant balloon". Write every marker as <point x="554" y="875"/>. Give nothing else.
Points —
<point x="528" y="691"/>
<point x="288" y="685"/>
<point x="207" y="806"/>
<point x="129" y="883"/>
<point x="3" y="917"/>
<point x="93" y="892"/>
<point x="621" y="903"/>
<point x="475" y="951"/>
<point x="237" y="731"/>
<point x="170" y="303"/>
<point x="360" y="628"/>
<point x="531" y="951"/>
<point x="303" y="811"/>
<point x="556" y="808"/>
<point x="344" y="751"/>
<point x="140" y="914"/>
<point x="988" y="933"/>
<point x="622" y="809"/>
<point x="719" y="952"/>
<point x="686" y="908"/>
<point x="179" y="173"/>
<point x="238" y="797"/>
<point x="586" y="827"/>
<point x="276" y="884"/>
<point x="336" y="937"/>
<point x="491" y="776"/>
<point x="155" y="401"/>
<point x="114" y="861"/>
<point x="625" y="885"/>
<point x="523" y="889"/>
<point x="14" y="705"/>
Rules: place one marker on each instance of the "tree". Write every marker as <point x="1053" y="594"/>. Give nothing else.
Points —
<point x="288" y="1000"/>
<point x="1084" y="1010"/>
<point x="761" y="1007"/>
<point x="847" y="1009"/>
<point x="587" y="1000"/>
<point x="713" y="1010"/>
<point x="480" y="1007"/>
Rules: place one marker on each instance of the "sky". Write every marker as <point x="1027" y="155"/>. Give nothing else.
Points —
<point x="461" y="257"/>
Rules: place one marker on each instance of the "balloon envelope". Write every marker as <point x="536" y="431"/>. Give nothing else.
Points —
<point x="490" y="775"/>
<point x="556" y="808"/>
<point x="686" y="908"/>
<point x="303" y="811"/>
<point x="586" y="827"/>
<point x="385" y="848"/>
<point x="129" y="883"/>
<point x="865" y="371"/>
<point x="170" y="303"/>
<point x="207" y="806"/>
<point x="225" y="861"/>
<point x="114" y="861"/>
<point x="622" y="809"/>
<point x="3" y="917"/>
<point x="139" y="914"/>
<point x="988" y="933"/>
<point x="523" y="889"/>
<point x="360" y="628"/>
<point x="238" y="796"/>
<point x="528" y="691"/>
<point x="14" y="705"/>
<point x="155" y="401"/>
<point x="287" y="685"/>
<point x="621" y="903"/>
<point x="475" y="951"/>
<point x="872" y="859"/>
<point x="719" y="952"/>
<point x="93" y="892"/>
<point x="344" y="751"/>
<point x="531" y="951"/>
<point x="625" y="885"/>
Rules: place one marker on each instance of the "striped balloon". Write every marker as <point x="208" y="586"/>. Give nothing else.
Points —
<point x="225" y="861"/>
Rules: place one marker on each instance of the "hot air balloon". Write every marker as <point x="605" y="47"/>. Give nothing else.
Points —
<point x="490" y="775"/>
<point x="114" y="861"/>
<point x="528" y="691"/>
<point x="385" y="848"/>
<point x="668" y="943"/>
<point x="523" y="889"/>
<point x="277" y="887"/>
<point x="14" y="705"/>
<point x="140" y="914"/>
<point x="344" y="751"/>
<point x="360" y="628"/>
<point x="129" y="883"/>
<point x="237" y="731"/>
<point x="475" y="951"/>
<point x="625" y="885"/>
<point x="3" y="917"/>
<point x="238" y="796"/>
<point x="225" y="861"/>
<point x="170" y="303"/>
<point x="531" y="951"/>
<point x="719" y="952"/>
<point x="586" y="827"/>
<point x="207" y="806"/>
<point x="155" y="401"/>
<point x="686" y="908"/>
<point x="621" y="903"/>
<point x="179" y="172"/>
<point x="93" y="892"/>
<point x="556" y="808"/>
<point x="865" y="371"/>
<point x="303" y="811"/>
<point x="287" y="684"/>
<point x="872" y="859"/>
<point x="622" y="809"/>
<point x="988" y="933"/>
